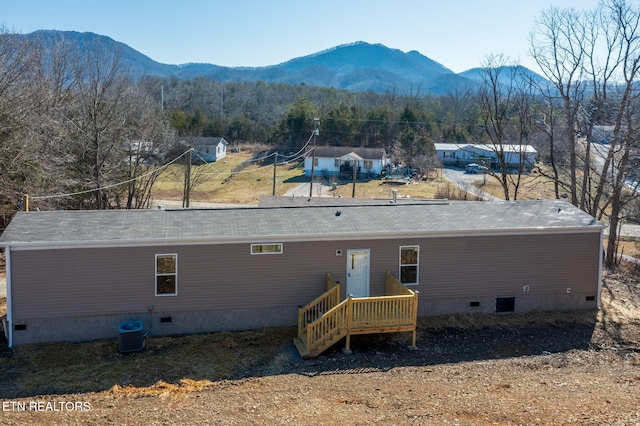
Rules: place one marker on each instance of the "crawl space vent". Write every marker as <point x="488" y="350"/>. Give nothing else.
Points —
<point x="505" y="304"/>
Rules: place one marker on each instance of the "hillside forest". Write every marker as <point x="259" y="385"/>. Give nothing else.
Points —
<point x="67" y="120"/>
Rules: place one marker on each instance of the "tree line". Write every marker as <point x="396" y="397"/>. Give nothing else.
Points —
<point x="75" y="130"/>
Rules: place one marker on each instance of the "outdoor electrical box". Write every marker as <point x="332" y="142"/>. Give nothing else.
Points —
<point x="131" y="336"/>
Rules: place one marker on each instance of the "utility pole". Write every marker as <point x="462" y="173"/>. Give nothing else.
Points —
<point x="316" y="132"/>
<point x="187" y="180"/>
<point x="275" y="163"/>
<point x="355" y="167"/>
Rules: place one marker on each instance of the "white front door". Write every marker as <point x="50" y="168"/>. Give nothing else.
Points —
<point x="358" y="273"/>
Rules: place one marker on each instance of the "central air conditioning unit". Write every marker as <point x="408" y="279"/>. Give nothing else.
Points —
<point x="131" y="336"/>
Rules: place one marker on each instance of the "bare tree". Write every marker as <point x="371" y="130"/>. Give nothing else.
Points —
<point x="18" y="156"/>
<point x="548" y="125"/>
<point x="459" y="113"/>
<point x="55" y="82"/>
<point x="557" y="45"/>
<point x="505" y="105"/>
<point x="148" y="141"/>
<point x="602" y="49"/>
<point x="103" y="112"/>
<point x="623" y="37"/>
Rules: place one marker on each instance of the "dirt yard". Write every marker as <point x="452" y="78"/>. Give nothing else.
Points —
<point x="537" y="369"/>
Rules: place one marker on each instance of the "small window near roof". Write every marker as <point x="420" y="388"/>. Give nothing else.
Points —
<point x="273" y="248"/>
<point x="166" y="274"/>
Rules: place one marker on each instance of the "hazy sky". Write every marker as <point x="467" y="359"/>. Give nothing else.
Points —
<point x="457" y="33"/>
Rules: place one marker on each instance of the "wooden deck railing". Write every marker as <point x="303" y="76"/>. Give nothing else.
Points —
<point x="396" y="288"/>
<point x="327" y="330"/>
<point x="320" y="305"/>
<point x="383" y="311"/>
<point x="318" y="328"/>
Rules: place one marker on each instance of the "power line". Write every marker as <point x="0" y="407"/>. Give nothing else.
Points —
<point x="44" y="197"/>
<point x="293" y="157"/>
<point x="302" y="155"/>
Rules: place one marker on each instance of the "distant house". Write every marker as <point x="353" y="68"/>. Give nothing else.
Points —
<point x="77" y="275"/>
<point x="341" y="160"/>
<point x="206" y="149"/>
<point x="140" y="150"/>
<point x="459" y="155"/>
<point x="138" y="147"/>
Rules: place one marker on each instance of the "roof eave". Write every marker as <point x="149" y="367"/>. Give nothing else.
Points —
<point x="46" y="245"/>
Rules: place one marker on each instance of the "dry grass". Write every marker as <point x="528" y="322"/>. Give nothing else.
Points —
<point x="532" y="186"/>
<point x="379" y="188"/>
<point x="255" y="181"/>
<point x="167" y="365"/>
<point x="161" y="389"/>
<point x="628" y="246"/>
<point x="245" y="187"/>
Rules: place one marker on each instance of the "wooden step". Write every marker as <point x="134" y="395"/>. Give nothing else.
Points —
<point x="302" y="348"/>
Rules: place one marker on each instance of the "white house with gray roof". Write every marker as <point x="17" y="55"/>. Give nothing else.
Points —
<point x="341" y="160"/>
<point x="205" y="149"/>
<point x="77" y="275"/>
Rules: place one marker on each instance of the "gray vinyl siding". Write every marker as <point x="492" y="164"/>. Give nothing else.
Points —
<point x="107" y="281"/>
<point x="494" y="266"/>
<point x="122" y="280"/>
<point x="111" y="281"/>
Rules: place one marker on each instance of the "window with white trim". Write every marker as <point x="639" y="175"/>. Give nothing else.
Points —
<point x="166" y="274"/>
<point x="409" y="256"/>
<point x="271" y="248"/>
<point x="368" y="164"/>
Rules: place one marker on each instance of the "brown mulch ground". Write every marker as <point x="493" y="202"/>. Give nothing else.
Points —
<point x="544" y="368"/>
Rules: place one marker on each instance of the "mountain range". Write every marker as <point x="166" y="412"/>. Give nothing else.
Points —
<point x="358" y="66"/>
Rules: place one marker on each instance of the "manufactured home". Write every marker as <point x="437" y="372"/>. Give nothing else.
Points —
<point x="77" y="275"/>
<point x="459" y="155"/>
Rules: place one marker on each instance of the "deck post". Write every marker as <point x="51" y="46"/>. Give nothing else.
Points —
<point x="347" y="346"/>
<point x="346" y="350"/>
<point x="415" y="320"/>
<point x="300" y="322"/>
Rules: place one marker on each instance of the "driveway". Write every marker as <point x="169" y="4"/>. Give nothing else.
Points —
<point x="302" y="190"/>
<point x="464" y="181"/>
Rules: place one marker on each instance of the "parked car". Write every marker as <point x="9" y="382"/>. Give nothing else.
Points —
<point x="475" y="168"/>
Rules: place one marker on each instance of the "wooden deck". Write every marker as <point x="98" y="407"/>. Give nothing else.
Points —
<point x="326" y="320"/>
